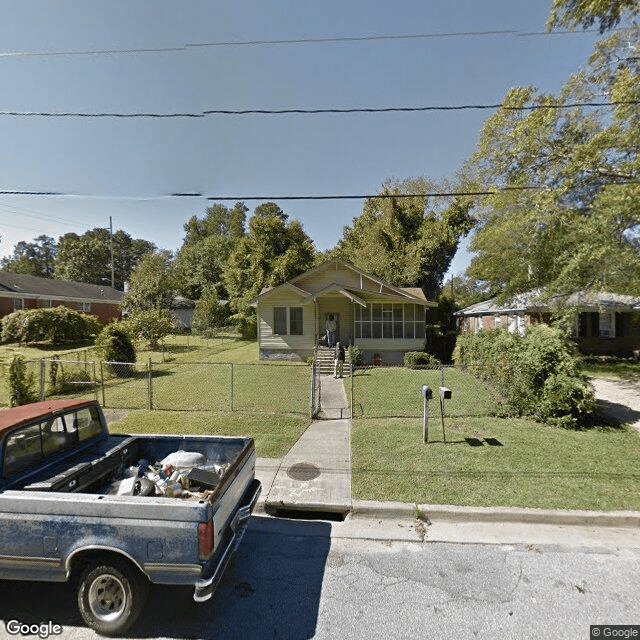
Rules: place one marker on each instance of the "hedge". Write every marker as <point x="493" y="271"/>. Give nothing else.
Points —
<point x="538" y="374"/>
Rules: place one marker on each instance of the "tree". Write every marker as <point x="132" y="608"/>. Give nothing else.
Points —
<point x="201" y="261"/>
<point x="270" y="209"/>
<point x="87" y="258"/>
<point x="209" y="313"/>
<point x="408" y="241"/>
<point x="151" y="325"/>
<point x="584" y="13"/>
<point x="565" y="212"/>
<point x="32" y="258"/>
<point x="151" y="284"/>
<point x="273" y="252"/>
<point x="114" y="345"/>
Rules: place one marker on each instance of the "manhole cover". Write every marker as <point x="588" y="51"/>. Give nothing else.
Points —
<point x="303" y="471"/>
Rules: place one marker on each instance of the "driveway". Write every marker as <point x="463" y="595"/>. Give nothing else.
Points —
<point x="619" y="399"/>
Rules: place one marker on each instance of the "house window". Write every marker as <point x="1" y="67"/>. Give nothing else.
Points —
<point x="295" y="321"/>
<point x="45" y="304"/>
<point x="389" y="321"/>
<point x="607" y="325"/>
<point x="84" y="306"/>
<point x="18" y="303"/>
<point x="280" y="321"/>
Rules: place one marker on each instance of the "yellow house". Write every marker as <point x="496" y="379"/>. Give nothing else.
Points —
<point x="382" y="320"/>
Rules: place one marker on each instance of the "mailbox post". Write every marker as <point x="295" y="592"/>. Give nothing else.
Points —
<point x="427" y="394"/>
<point x="445" y="394"/>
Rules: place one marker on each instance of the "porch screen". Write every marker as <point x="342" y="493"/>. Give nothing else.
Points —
<point x="390" y="321"/>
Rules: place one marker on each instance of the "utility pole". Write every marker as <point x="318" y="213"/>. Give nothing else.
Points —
<point x="113" y="276"/>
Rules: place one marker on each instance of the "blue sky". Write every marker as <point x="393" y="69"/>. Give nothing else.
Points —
<point x="127" y="168"/>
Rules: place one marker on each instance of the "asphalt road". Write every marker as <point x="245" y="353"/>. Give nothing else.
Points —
<point x="315" y="579"/>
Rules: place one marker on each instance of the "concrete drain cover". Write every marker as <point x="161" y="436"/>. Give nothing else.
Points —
<point x="303" y="471"/>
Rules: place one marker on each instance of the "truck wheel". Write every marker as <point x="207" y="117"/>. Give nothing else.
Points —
<point x="111" y="596"/>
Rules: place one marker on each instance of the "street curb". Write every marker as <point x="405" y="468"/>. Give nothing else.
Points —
<point x="454" y="513"/>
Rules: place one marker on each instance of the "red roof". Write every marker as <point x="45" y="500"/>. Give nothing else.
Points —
<point x="26" y="413"/>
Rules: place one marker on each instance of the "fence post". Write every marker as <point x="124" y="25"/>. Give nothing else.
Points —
<point x="150" y="384"/>
<point x="231" y="395"/>
<point x="313" y="389"/>
<point x="42" y="376"/>
<point x="104" y="402"/>
<point x="353" y="370"/>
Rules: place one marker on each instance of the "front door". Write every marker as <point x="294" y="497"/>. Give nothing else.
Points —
<point x="323" y="328"/>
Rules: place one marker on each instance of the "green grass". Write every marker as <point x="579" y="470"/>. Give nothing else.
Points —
<point x="274" y="435"/>
<point x="536" y="466"/>
<point x="396" y="392"/>
<point x="608" y="367"/>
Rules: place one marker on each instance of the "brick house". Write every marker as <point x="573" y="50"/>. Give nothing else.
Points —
<point x="19" y="291"/>
<point x="605" y="323"/>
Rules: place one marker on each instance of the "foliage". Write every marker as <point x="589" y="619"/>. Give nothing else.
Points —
<point x="273" y="252"/>
<point x="584" y="13"/>
<point x="151" y="325"/>
<point x="114" y="345"/>
<point x="408" y="241"/>
<point x="209" y="313"/>
<point x="417" y="359"/>
<point x="151" y="284"/>
<point x="564" y="200"/>
<point x="245" y="322"/>
<point x="87" y="257"/>
<point x="66" y="380"/>
<point x="56" y="325"/>
<point x="355" y="355"/>
<point x="21" y="383"/>
<point x="538" y="374"/>
<point x="32" y="258"/>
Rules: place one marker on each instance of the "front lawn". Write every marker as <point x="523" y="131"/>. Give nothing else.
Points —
<point x="274" y="434"/>
<point x="528" y="464"/>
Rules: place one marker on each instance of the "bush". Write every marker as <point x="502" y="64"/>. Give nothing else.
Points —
<point x="417" y="359"/>
<point x="209" y="313"/>
<point x="538" y="374"/>
<point x="246" y="323"/>
<point x="355" y="355"/>
<point x="57" y="325"/>
<point x="114" y="345"/>
<point x="152" y="325"/>
<point x="21" y="383"/>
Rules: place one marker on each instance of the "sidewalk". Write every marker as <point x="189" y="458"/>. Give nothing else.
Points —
<point x="316" y="473"/>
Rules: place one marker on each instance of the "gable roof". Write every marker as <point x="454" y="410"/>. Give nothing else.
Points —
<point x="21" y="285"/>
<point x="410" y="294"/>
<point x="535" y="301"/>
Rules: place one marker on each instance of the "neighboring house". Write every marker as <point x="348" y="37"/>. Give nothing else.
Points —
<point x="382" y="320"/>
<point x="605" y="323"/>
<point x="19" y="291"/>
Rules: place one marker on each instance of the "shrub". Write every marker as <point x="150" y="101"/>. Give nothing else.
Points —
<point x="416" y="359"/>
<point x="355" y="355"/>
<point x="21" y="383"/>
<point x="114" y="345"/>
<point x="538" y="374"/>
<point x="151" y="325"/>
<point x="209" y="313"/>
<point x="56" y="325"/>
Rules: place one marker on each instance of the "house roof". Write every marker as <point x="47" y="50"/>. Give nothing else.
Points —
<point x="410" y="294"/>
<point x="536" y="301"/>
<point x="21" y="285"/>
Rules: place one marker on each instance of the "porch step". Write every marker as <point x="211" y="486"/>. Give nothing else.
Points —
<point x="324" y="361"/>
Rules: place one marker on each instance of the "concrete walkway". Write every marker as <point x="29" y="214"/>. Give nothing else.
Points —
<point x="316" y="473"/>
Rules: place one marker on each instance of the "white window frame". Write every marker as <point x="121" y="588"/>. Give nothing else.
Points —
<point x="607" y="324"/>
<point x="84" y="307"/>
<point x="18" y="304"/>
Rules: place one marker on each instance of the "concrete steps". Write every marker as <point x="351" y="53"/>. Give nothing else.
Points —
<point x="324" y="360"/>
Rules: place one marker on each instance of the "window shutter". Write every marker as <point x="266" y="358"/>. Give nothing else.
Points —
<point x="619" y="324"/>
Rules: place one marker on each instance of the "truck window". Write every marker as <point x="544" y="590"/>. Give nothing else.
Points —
<point x="86" y="422"/>
<point x="55" y="437"/>
<point x="23" y="448"/>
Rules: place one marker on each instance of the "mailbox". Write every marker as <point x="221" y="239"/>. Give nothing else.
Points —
<point x="427" y="393"/>
<point x="445" y="394"/>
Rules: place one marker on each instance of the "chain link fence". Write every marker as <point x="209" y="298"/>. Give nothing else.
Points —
<point x="389" y="392"/>
<point x="192" y="386"/>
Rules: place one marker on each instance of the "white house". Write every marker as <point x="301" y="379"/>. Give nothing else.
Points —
<point x="382" y="320"/>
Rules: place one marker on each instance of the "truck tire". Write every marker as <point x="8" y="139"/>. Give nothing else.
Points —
<point x="111" y="595"/>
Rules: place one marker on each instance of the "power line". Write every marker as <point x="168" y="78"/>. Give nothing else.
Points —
<point x="332" y="110"/>
<point x="286" y="41"/>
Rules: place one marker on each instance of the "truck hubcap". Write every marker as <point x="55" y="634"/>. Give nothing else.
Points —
<point x="107" y="597"/>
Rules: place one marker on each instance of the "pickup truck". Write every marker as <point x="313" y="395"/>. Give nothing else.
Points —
<point x="113" y="513"/>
